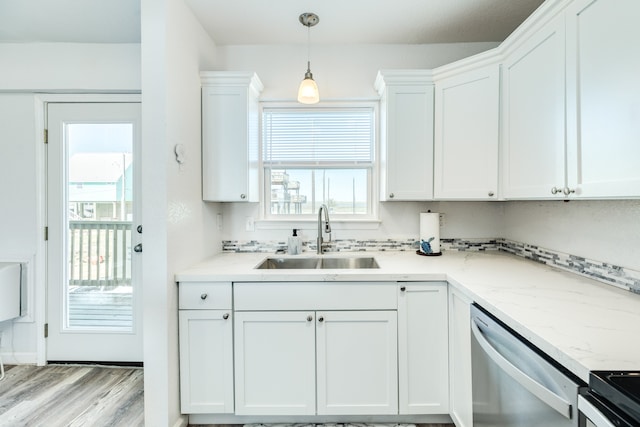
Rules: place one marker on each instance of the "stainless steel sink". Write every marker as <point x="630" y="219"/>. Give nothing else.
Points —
<point x="317" y="263"/>
<point x="368" y="262"/>
<point x="288" y="263"/>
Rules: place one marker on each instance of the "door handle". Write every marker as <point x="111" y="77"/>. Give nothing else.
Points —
<point x="558" y="403"/>
<point x="138" y="247"/>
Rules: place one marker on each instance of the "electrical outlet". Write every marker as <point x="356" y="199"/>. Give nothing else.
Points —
<point x="441" y="217"/>
<point x="249" y="224"/>
<point x="219" y="221"/>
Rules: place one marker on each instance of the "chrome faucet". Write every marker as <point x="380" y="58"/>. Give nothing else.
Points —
<point x="327" y="227"/>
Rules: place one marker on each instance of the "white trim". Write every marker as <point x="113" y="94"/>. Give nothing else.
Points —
<point x="40" y="259"/>
<point x="312" y="224"/>
<point x="89" y="97"/>
<point x="11" y="358"/>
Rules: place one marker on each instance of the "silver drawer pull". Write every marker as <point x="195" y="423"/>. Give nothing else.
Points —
<point x="203" y="296"/>
<point x="225" y="316"/>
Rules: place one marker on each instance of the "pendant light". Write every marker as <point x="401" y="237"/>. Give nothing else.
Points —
<point x="308" y="91"/>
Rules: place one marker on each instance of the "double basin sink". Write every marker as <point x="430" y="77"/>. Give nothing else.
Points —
<point x="317" y="263"/>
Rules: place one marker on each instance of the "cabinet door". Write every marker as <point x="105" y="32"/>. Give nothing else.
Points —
<point x="467" y="117"/>
<point x="275" y="363"/>
<point x="534" y="115"/>
<point x="422" y="348"/>
<point x="603" y="67"/>
<point x="461" y="407"/>
<point x="206" y="361"/>
<point x="357" y="362"/>
<point x="407" y="157"/>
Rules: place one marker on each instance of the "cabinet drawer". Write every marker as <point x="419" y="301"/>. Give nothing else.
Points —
<point x="204" y="295"/>
<point x="315" y="296"/>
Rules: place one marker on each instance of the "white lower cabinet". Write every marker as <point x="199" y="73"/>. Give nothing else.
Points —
<point x="275" y="363"/>
<point x="278" y="356"/>
<point x="422" y="348"/>
<point x="357" y="363"/>
<point x="313" y="349"/>
<point x="206" y="348"/>
<point x="206" y="362"/>
<point x="461" y="408"/>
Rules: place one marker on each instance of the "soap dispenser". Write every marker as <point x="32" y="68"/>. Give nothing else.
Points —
<point x="295" y="243"/>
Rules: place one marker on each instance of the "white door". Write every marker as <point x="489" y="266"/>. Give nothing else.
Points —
<point x="275" y="363"/>
<point x="93" y="289"/>
<point x="357" y="362"/>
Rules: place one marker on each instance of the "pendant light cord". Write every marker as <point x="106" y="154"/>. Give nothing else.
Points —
<point x="308" y="46"/>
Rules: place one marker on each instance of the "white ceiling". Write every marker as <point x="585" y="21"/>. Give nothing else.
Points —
<point x="234" y="22"/>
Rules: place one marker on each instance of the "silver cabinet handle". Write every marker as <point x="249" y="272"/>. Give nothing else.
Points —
<point x="491" y="193"/>
<point x="556" y="190"/>
<point x="309" y="318"/>
<point x="203" y="296"/>
<point x="558" y="403"/>
<point x="391" y="195"/>
<point x="403" y="288"/>
<point x="320" y="319"/>
<point x="138" y="247"/>
<point x="243" y="196"/>
<point x="225" y="316"/>
<point x="139" y="229"/>
<point x="568" y="191"/>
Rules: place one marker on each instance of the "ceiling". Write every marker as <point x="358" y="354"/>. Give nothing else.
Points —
<point x="241" y="22"/>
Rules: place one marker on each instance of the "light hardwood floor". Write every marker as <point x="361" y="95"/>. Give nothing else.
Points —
<point x="76" y="396"/>
<point x="71" y="396"/>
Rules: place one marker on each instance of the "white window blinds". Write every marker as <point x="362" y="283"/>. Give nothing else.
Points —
<point x="318" y="136"/>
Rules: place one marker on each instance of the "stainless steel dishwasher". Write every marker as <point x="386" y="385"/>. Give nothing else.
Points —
<point x="514" y="383"/>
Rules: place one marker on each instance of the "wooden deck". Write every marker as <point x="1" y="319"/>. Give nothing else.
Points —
<point x="90" y="307"/>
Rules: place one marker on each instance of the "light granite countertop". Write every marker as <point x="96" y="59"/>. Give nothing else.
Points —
<point x="581" y="323"/>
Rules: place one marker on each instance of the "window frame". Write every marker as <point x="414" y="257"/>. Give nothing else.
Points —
<point x="372" y="168"/>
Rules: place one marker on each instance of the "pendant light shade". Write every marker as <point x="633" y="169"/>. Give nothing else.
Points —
<point x="308" y="91"/>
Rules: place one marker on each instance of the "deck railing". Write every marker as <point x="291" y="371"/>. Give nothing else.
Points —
<point x="100" y="253"/>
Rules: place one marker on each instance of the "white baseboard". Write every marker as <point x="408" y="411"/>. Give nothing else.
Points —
<point x="183" y="421"/>
<point x="11" y="358"/>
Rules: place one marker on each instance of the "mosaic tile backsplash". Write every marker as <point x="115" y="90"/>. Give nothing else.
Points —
<point x="604" y="272"/>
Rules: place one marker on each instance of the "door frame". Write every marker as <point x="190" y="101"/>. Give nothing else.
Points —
<point x="40" y="265"/>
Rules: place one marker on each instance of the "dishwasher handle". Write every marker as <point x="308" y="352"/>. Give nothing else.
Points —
<point x="558" y="403"/>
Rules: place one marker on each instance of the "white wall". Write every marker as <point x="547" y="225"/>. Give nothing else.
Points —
<point x="603" y="230"/>
<point x="53" y="68"/>
<point x="70" y="67"/>
<point x="178" y="226"/>
<point x="341" y="71"/>
<point x="20" y="239"/>
<point x="398" y="220"/>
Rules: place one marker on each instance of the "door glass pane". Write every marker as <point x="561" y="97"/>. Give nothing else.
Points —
<point x="98" y="294"/>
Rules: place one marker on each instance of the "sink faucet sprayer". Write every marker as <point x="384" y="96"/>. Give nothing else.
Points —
<point x="327" y="227"/>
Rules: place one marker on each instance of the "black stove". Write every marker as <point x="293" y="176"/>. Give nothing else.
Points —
<point x="617" y="394"/>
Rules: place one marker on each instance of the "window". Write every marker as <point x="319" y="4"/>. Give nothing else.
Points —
<point x="315" y="156"/>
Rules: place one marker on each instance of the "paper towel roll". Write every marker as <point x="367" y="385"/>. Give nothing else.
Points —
<point x="430" y="232"/>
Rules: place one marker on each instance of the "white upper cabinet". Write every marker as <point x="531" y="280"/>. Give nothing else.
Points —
<point x="603" y="93"/>
<point x="467" y="117"/>
<point x="230" y="136"/>
<point x="534" y="115"/>
<point x="406" y="134"/>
